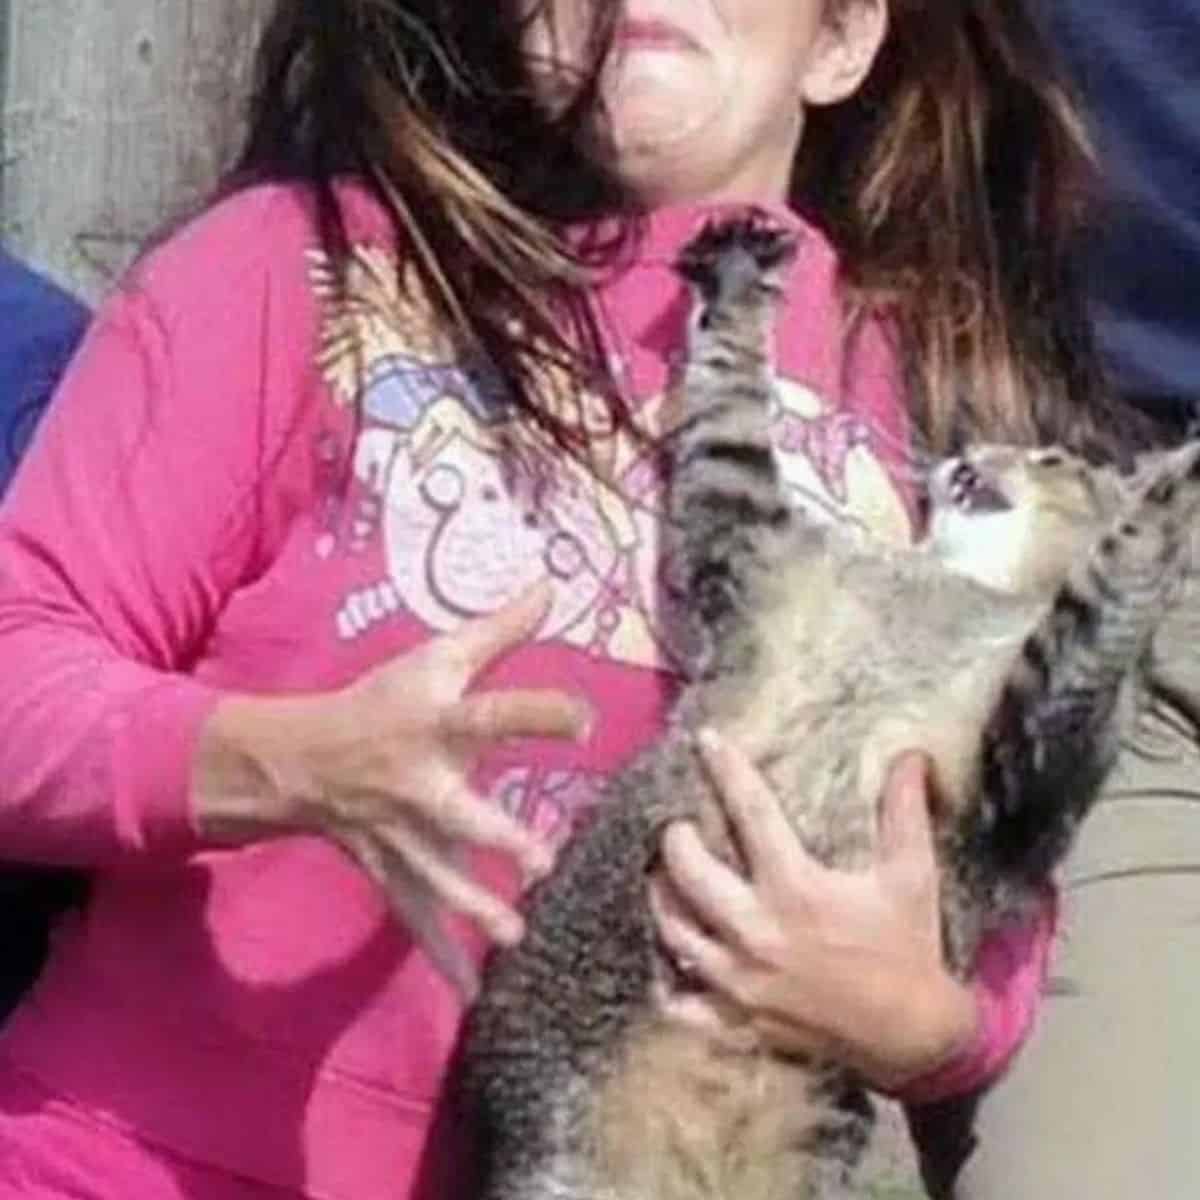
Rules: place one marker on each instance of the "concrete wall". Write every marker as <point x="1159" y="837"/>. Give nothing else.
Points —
<point x="115" y="115"/>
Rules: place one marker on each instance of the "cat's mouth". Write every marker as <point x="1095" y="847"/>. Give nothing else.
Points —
<point x="963" y="486"/>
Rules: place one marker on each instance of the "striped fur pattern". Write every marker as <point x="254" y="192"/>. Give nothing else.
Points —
<point x="1012" y="645"/>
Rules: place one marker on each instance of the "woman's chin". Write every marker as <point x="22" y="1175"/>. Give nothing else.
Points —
<point x="655" y="154"/>
<point x="664" y="106"/>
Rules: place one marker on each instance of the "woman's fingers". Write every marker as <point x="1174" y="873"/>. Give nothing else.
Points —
<point x="528" y="712"/>
<point x="478" y="642"/>
<point x="449" y="805"/>
<point x="768" y="841"/>
<point x="718" y="895"/>
<point x="905" y="830"/>
<point x="814" y="959"/>
<point x="790" y="1037"/>
<point x="415" y="907"/>
<point x="694" y="1010"/>
<point x="691" y="949"/>
<point x="450" y="885"/>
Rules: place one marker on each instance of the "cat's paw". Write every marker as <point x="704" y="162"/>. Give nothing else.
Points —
<point x="732" y="256"/>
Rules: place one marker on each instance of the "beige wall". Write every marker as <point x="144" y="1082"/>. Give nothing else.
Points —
<point x="116" y="114"/>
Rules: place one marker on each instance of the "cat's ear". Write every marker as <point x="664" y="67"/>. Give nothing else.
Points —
<point x="1183" y="462"/>
<point x="1114" y="485"/>
<point x="1178" y="463"/>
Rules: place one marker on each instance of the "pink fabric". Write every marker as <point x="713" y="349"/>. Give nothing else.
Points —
<point x="49" y="1150"/>
<point x="1009" y="979"/>
<point x="201" y="512"/>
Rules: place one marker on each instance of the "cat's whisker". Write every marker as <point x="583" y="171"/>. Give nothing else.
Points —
<point x="1154" y="794"/>
<point x="1150" y="871"/>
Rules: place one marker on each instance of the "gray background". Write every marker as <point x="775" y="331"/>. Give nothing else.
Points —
<point x="115" y="116"/>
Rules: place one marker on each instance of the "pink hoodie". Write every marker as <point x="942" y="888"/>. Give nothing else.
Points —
<point x="200" y="512"/>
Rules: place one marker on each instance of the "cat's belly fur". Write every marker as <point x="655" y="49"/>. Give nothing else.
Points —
<point x="833" y="691"/>
<point x="685" y="1115"/>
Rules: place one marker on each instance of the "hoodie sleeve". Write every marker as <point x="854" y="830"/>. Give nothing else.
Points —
<point x="160" y="481"/>
<point x="1008" y="983"/>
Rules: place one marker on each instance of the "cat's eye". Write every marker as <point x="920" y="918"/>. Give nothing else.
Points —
<point x="1049" y="458"/>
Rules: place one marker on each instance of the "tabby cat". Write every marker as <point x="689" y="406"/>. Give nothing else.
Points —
<point x="1012" y="645"/>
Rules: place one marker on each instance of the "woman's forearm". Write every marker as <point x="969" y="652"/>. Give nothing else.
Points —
<point x="97" y="751"/>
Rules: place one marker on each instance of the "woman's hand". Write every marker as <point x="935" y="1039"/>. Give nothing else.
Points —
<point x="817" y="961"/>
<point x="382" y="768"/>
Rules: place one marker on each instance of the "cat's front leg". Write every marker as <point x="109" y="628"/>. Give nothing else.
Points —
<point x="728" y="513"/>
<point x="1070" y="698"/>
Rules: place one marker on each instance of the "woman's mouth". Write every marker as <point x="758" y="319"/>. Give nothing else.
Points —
<point x="634" y="34"/>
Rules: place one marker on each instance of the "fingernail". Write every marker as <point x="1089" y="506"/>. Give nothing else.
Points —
<point x="684" y="836"/>
<point x="709" y="740"/>
<point x="509" y="930"/>
<point x="540" y="862"/>
<point x="912" y="771"/>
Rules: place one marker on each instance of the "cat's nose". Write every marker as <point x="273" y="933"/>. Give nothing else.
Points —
<point x="940" y="482"/>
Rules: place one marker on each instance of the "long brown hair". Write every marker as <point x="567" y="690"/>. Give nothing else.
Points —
<point x="956" y="185"/>
<point x="952" y="187"/>
<point x="428" y="104"/>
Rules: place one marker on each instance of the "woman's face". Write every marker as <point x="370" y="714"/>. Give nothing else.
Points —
<point x="705" y="98"/>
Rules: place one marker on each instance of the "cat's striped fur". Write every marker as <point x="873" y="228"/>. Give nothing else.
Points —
<point x="823" y="655"/>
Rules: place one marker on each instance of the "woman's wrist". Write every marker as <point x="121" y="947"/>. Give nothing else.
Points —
<point x="248" y="774"/>
<point x="953" y="1022"/>
<point x="943" y="1020"/>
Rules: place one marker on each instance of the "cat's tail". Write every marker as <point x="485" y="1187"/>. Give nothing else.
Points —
<point x="1057" y="728"/>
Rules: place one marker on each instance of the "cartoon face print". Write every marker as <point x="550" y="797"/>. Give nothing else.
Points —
<point x="467" y="525"/>
<point x="548" y="801"/>
<point x="472" y="506"/>
<point x="829" y="461"/>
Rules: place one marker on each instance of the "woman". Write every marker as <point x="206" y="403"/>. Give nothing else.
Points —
<point x="337" y="556"/>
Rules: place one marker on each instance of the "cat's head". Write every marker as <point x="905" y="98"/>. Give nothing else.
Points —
<point x="1015" y="518"/>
